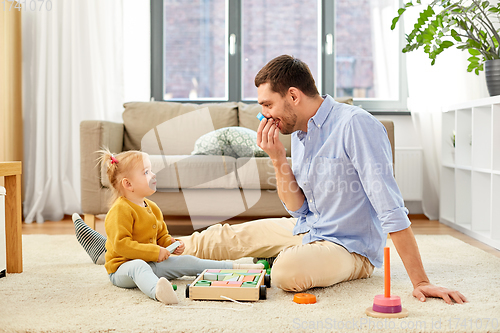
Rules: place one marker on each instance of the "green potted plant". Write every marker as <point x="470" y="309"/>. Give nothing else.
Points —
<point x="466" y="24"/>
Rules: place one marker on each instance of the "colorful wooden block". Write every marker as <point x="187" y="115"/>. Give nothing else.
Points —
<point x="255" y="271"/>
<point x="234" y="284"/>
<point x="219" y="283"/>
<point x="210" y="276"/>
<point x="236" y="271"/>
<point x="222" y="276"/>
<point x="203" y="283"/>
<point x="248" y="278"/>
<point x="213" y="270"/>
<point x="233" y="277"/>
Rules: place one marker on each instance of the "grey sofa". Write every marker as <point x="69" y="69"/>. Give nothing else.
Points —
<point x="198" y="186"/>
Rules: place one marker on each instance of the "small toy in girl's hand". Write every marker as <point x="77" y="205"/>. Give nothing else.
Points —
<point x="172" y="247"/>
<point x="260" y="116"/>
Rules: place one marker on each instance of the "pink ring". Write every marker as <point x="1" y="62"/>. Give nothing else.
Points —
<point x="387" y="301"/>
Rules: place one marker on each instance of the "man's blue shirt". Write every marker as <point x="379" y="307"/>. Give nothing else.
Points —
<point x="343" y="164"/>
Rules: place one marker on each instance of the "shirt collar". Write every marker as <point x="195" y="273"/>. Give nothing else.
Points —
<point x="319" y="118"/>
<point x="323" y="111"/>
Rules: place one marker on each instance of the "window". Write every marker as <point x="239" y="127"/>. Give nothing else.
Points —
<point x="211" y="50"/>
<point x="273" y="28"/>
<point x="194" y="51"/>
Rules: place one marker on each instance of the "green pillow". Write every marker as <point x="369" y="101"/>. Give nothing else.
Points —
<point x="229" y="141"/>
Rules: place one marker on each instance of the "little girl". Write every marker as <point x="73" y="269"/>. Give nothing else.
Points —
<point x="137" y="236"/>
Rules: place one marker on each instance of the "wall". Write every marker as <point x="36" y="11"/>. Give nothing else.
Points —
<point x="11" y="133"/>
<point x="405" y="136"/>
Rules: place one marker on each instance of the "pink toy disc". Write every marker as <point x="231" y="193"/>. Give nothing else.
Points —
<point x="387" y="309"/>
<point x="387" y="301"/>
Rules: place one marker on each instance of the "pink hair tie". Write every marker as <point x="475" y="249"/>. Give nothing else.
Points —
<point x="113" y="160"/>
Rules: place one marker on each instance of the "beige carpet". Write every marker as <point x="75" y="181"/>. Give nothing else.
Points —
<point x="62" y="291"/>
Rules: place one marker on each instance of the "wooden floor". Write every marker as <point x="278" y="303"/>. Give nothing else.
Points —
<point x="182" y="226"/>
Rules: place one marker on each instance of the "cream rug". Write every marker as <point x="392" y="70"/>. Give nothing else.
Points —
<point x="62" y="291"/>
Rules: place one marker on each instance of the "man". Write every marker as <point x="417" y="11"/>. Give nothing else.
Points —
<point x="340" y="191"/>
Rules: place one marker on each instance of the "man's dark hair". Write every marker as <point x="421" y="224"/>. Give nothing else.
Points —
<point x="284" y="72"/>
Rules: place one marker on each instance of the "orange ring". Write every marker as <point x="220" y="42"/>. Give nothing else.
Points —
<point x="304" y="298"/>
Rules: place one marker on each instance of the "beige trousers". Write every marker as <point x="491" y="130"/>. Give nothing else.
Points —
<point x="298" y="267"/>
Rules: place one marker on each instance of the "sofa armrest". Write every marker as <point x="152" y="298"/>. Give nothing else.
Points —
<point x="389" y="126"/>
<point x="95" y="135"/>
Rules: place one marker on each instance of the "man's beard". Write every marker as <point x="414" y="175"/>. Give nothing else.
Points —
<point x="288" y="121"/>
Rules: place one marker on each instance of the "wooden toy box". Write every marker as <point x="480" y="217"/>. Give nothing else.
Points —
<point x="237" y="284"/>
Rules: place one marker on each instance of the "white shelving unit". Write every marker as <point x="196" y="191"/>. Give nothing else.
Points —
<point x="470" y="171"/>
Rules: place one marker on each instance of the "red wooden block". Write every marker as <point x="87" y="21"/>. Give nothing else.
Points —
<point x="219" y="283"/>
<point x="248" y="278"/>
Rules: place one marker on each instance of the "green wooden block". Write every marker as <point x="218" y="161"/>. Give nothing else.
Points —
<point x="249" y="284"/>
<point x="203" y="283"/>
<point x="221" y="276"/>
<point x="233" y="271"/>
<point x="232" y="277"/>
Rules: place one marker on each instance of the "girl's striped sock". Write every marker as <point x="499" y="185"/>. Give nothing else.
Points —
<point x="92" y="241"/>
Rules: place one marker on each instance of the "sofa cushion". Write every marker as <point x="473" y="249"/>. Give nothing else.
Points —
<point x="257" y="173"/>
<point x="229" y="141"/>
<point x="157" y="128"/>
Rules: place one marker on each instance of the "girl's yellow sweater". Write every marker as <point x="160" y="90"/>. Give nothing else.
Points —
<point x="134" y="232"/>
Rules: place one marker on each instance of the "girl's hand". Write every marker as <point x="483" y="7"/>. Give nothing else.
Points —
<point x="180" y="248"/>
<point x="164" y="254"/>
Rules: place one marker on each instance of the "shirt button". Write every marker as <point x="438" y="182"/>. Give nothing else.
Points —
<point x="149" y="210"/>
<point x="310" y="200"/>
<point x="316" y="215"/>
<point x="151" y="240"/>
<point x="319" y="126"/>
<point x="154" y="226"/>
<point x="308" y="138"/>
<point x="304" y="184"/>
